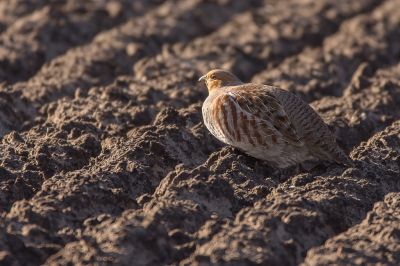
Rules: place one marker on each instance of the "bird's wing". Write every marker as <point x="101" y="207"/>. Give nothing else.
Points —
<point x="266" y="107"/>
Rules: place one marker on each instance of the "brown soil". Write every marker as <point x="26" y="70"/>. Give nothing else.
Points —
<point x="104" y="157"/>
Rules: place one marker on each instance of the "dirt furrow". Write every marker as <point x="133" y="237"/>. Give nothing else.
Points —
<point x="366" y="42"/>
<point x="374" y="241"/>
<point x="12" y="10"/>
<point x="47" y="32"/>
<point x="362" y="112"/>
<point x="250" y="42"/>
<point x="112" y="53"/>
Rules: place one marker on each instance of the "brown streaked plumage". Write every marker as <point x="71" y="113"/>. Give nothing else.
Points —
<point x="266" y="122"/>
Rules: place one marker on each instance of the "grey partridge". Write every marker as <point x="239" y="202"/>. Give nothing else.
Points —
<point x="266" y="122"/>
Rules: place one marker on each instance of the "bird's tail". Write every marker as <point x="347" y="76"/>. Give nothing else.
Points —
<point x="339" y="156"/>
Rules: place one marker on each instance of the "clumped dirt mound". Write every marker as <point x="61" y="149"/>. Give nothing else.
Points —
<point x="104" y="157"/>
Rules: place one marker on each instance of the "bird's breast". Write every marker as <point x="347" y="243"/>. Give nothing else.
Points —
<point x="232" y="125"/>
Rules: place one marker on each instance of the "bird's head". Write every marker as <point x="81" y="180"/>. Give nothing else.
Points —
<point x="218" y="78"/>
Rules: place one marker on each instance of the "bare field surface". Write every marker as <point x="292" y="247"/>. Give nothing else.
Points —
<point x="105" y="160"/>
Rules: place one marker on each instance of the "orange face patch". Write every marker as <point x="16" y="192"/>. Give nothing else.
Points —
<point x="219" y="78"/>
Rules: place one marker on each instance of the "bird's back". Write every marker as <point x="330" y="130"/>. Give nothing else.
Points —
<point x="310" y="127"/>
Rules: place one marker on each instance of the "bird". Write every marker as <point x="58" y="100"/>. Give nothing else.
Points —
<point x="267" y="122"/>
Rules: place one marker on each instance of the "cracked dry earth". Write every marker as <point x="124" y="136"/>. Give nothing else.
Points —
<point x="104" y="158"/>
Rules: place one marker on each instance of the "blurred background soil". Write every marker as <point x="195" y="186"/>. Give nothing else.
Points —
<point x="104" y="158"/>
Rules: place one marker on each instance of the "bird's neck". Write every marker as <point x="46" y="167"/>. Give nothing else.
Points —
<point x="213" y="89"/>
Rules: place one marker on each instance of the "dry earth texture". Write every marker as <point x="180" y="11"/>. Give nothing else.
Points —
<point x="104" y="157"/>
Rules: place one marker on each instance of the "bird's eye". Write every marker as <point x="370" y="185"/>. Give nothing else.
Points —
<point x="213" y="77"/>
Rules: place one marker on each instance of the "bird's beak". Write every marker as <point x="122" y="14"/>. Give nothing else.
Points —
<point x="203" y="78"/>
